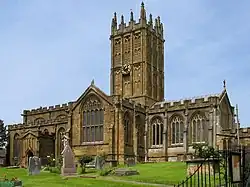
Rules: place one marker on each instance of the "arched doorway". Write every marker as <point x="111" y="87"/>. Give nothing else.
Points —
<point x="28" y="155"/>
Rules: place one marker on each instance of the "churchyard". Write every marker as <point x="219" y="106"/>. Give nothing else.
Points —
<point x="97" y="171"/>
<point x="90" y="171"/>
<point x="157" y="173"/>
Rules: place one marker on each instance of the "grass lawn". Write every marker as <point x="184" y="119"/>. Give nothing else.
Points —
<point x="161" y="173"/>
<point x="46" y="179"/>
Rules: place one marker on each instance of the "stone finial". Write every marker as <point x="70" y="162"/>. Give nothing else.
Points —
<point x="142" y="4"/>
<point x="93" y="82"/>
<point x="115" y="17"/>
<point x="150" y="22"/>
<point x="131" y="15"/>
<point x="114" y="23"/>
<point x="122" y="20"/>
<point x="224" y="84"/>
<point x="143" y="12"/>
<point x="159" y="20"/>
<point x="156" y="25"/>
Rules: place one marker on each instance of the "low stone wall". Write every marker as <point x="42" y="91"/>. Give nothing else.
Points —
<point x="204" y="166"/>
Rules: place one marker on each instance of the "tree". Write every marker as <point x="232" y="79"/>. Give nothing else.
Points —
<point x="83" y="160"/>
<point x="3" y="134"/>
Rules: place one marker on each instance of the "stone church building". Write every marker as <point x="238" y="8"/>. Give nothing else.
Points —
<point x="134" y="120"/>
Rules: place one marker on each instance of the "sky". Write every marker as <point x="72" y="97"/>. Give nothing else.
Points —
<point x="51" y="50"/>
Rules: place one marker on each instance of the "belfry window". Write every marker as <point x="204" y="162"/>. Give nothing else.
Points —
<point x="93" y="120"/>
<point x="157" y="132"/>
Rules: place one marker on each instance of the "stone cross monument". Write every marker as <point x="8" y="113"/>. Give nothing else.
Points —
<point x="68" y="167"/>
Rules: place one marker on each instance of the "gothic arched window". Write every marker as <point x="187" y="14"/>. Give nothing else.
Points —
<point x="128" y="131"/>
<point x="177" y="128"/>
<point x="157" y="131"/>
<point x="39" y="121"/>
<point x="197" y="130"/>
<point x="140" y="131"/>
<point x="16" y="146"/>
<point x="93" y="120"/>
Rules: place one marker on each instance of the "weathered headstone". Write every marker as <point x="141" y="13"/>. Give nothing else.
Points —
<point x="130" y="162"/>
<point x="34" y="165"/>
<point x="68" y="167"/>
<point x="99" y="162"/>
<point x="31" y="165"/>
<point x="37" y="165"/>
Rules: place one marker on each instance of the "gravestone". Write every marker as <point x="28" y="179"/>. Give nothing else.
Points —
<point x="34" y="165"/>
<point x="37" y="168"/>
<point x="125" y="172"/>
<point x="130" y="162"/>
<point x="31" y="165"/>
<point x="68" y="167"/>
<point x="99" y="162"/>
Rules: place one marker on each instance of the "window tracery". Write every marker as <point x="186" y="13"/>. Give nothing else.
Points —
<point x="137" y="78"/>
<point x="157" y="131"/>
<point x="128" y="132"/>
<point x="39" y="121"/>
<point x="137" y="46"/>
<point x="16" y="146"/>
<point x="117" y="50"/>
<point x="61" y="117"/>
<point x="140" y="131"/>
<point x="93" y="120"/>
<point x="177" y="129"/>
<point x="197" y="128"/>
<point x="126" y="86"/>
<point x="127" y="46"/>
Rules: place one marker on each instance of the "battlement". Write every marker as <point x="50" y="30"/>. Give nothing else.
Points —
<point x="244" y="130"/>
<point x="37" y="123"/>
<point x="186" y="101"/>
<point x="16" y="126"/>
<point x="65" y="106"/>
<point x="156" y="27"/>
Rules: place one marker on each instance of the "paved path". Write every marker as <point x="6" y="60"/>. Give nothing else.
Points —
<point x="119" y="180"/>
<point x="133" y="182"/>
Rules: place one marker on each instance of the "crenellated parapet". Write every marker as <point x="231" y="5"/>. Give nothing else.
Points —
<point x="244" y="132"/>
<point x="58" y="120"/>
<point x="66" y="106"/>
<point x="17" y="126"/>
<point x="155" y="26"/>
<point x="188" y="102"/>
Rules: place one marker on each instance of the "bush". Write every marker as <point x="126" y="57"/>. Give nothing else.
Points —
<point x="83" y="160"/>
<point x="59" y="162"/>
<point x="51" y="160"/>
<point x="55" y="170"/>
<point x="204" y="151"/>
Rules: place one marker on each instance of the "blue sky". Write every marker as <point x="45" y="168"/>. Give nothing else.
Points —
<point x="51" y="50"/>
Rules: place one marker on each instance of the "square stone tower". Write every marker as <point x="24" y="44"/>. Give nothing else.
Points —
<point x="137" y="59"/>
